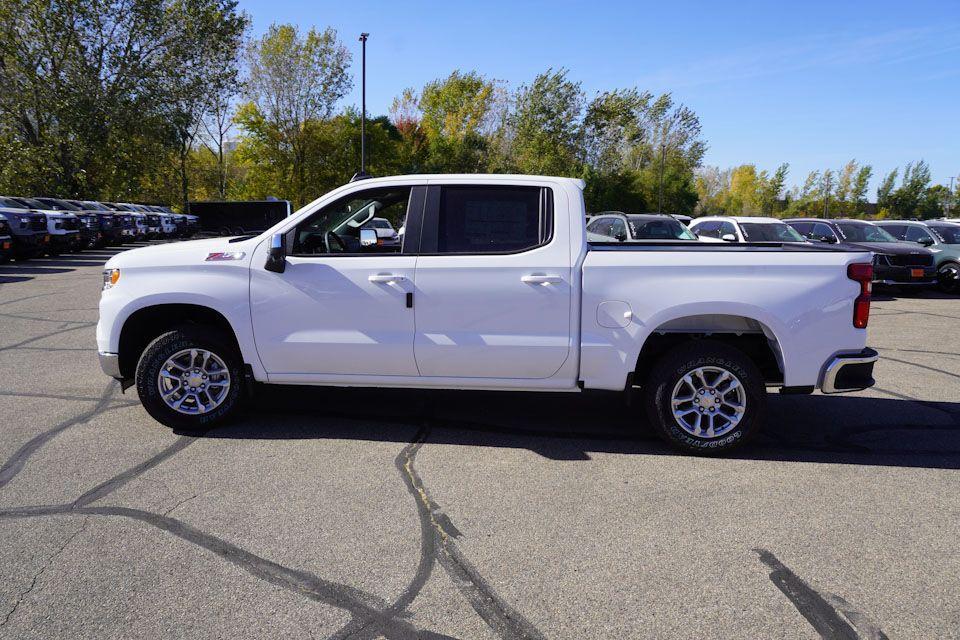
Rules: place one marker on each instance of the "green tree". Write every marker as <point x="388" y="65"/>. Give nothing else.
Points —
<point x="457" y="115"/>
<point x="294" y="83"/>
<point x="545" y="126"/>
<point x="87" y="87"/>
<point x="885" y="190"/>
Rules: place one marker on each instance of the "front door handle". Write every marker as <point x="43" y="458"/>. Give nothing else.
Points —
<point x="386" y="277"/>
<point x="540" y="279"/>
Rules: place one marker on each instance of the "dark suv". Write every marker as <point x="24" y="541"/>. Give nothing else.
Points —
<point x="894" y="262"/>
<point x="28" y="229"/>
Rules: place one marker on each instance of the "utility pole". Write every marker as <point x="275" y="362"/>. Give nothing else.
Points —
<point x="363" y="110"/>
<point x="663" y="151"/>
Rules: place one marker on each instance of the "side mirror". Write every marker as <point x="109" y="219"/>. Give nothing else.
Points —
<point x="728" y="237"/>
<point x="277" y="255"/>
<point x="368" y="238"/>
<point x="621" y="237"/>
<point x="927" y="242"/>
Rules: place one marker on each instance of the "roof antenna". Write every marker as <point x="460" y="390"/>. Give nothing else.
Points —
<point x="362" y="174"/>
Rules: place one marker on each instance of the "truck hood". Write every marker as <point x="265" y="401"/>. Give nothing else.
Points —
<point x="890" y="248"/>
<point x="180" y="253"/>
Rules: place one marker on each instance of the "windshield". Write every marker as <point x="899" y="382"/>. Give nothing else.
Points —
<point x="62" y="205"/>
<point x="667" y="229"/>
<point x="33" y="204"/>
<point x="12" y="204"/>
<point x="950" y="234"/>
<point x="769" y="232"/>
<point x="853" y="232"/>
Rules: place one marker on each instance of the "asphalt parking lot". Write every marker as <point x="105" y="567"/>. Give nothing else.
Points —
<point x="370" y="513"/>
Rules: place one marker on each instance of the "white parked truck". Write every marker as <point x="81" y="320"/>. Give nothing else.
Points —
<point x="493" y="287"/>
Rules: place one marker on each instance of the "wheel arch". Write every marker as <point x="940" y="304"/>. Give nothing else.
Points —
<point x="147" y="323"/>
<point x="753" y="337"/>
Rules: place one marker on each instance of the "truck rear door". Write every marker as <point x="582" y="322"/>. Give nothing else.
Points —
<point x="493" y="283"/>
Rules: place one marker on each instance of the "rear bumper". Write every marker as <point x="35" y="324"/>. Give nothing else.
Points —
<point x="849" y="372"/>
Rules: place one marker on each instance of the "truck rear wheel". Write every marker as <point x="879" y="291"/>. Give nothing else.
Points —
<point x="705" y="397"/>
<point x="189" y="379"/>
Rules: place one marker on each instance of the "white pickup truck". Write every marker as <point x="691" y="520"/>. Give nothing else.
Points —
<point x="494" y="286"/>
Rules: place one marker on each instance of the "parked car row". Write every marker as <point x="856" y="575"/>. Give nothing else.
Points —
<point x="905" y="252"/>
<point x="31" y="227"/>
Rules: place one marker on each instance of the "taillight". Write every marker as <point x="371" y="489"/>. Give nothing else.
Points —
<point x="861" y="272"/>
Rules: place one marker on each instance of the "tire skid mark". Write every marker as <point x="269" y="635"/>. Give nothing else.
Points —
<point x="359" y="603"/>
<point x="504" y="620"/>
<point x="15" y="463"/>
<point x="55" y="396"/>
<point x="17" y="345"/>
<point x="132" y="473"/>
<point x="367" y="610"/>
<point x="831" y="616"/>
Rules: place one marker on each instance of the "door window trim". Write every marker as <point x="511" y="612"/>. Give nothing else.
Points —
<point x="429" y="237"/>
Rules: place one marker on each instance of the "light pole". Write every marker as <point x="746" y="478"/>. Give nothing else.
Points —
<point x="663" y="151"/>
<point x="363" y="110"/>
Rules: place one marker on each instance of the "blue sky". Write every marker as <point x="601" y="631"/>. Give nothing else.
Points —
<point x="813" y="84"/>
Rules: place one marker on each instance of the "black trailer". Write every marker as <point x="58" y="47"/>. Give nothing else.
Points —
<point x="239" y="218"/>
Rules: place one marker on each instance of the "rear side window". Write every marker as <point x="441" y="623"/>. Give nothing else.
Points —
<point x="916" y="234"/>
<point x="898" y="231"/>
<point x="492" y="219"/>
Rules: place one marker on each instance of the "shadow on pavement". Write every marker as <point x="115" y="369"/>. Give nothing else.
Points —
<point x="22" y="268"/>
<point x="12" y="279"/>
<point x="817" y="428"/>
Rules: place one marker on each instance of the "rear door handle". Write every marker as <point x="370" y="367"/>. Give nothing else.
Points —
<point x="540" y="279"/>
<point x="386" y="277"/>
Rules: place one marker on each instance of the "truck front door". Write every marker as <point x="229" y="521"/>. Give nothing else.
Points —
<point x="340" y="307"/>
<point x="493" y="283"/>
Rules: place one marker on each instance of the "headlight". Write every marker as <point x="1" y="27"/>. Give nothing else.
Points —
<point x="24" y="221"/>
<point x="110" y="278"/>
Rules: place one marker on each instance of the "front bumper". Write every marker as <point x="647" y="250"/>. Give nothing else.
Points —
<point x="891" y="274"/>
<point x="110" y="363"/>
<point x="849" y="372"/>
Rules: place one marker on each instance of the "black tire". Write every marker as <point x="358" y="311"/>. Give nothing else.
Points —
<point x="165" y="346"/>
<point x="948" y="277"/>
<point x="667" y="373"/>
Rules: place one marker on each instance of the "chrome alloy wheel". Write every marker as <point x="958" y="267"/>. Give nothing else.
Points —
<point x="194" y="381"/>
<point x="708" y="402"/>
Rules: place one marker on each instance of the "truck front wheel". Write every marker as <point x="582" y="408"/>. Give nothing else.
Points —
<point x="705" y="397"/>
<point x="189" y="379"/>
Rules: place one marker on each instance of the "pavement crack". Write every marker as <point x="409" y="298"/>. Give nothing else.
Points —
<point x="831" y="616"/>
<point x="36" y="576"/>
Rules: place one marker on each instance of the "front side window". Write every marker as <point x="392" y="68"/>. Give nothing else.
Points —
<point x="335" y="228"/>
<point x="727" y="229"/>
<point x="769" y="232"/>
<point x="493" y="219"/>
<point x="709" y="229"/>
<point x="898" y="231"/>
<point x="863" y="232"/>
<point x="823" y="233"/>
